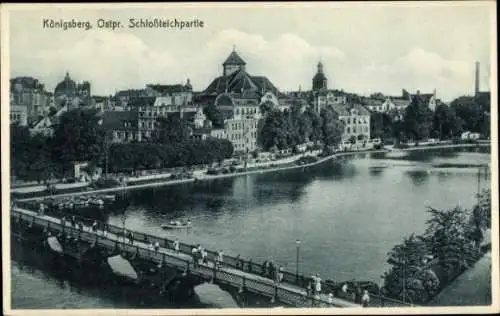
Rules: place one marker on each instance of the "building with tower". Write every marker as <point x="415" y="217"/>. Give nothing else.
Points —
<point x="69" y="93"/>
<point x="239" y="96"/>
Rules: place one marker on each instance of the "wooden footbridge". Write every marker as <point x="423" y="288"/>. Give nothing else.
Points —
<point x="243" y="275"/>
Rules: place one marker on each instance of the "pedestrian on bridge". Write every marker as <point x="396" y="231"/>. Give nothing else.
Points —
<point x="250" y="265"/>
<point x="194" y="253"/>
<point x="264" y="268"/>
<point x="317" y="285"/>
<point x="131" y="237"/>
<point x="365" y="300"/>
<point x="271" y="270"/>
<point x="279" y="275"/>
<point x="176" y="245"/>
<point x="221" y="258"/>
<point x="330" y="299"/>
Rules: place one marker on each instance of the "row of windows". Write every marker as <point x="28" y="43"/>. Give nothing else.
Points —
<point x="243" y="146"/>
<point x="248" y="111"/>
<point x="355" y="130"/>
<point x="358" y="120"/>
<point x="236" y="126"/>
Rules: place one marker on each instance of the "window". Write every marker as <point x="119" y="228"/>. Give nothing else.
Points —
<point x="348" y="129"/>
<point x="237" y="111"/>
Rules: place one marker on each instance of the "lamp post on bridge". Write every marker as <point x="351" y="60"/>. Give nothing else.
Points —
<point x="297" y="243"/>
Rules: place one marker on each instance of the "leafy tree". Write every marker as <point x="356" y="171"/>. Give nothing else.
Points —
<point x="447" y="233"/>
<point x="214" y="115"/>
<point x="381" y="125"/>
<point x="474" y="113"/>
<point x="481" y="213"/>
<point x="332" y="127"/>
<point x="172" y="129"/>
<point x="78" y="137"/>
<point x="409" y="278"/>
<point x="446" y="123"/>
<point x="417" y="119"/>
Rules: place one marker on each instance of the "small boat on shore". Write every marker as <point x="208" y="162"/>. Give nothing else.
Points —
<point x="177" y="225"/>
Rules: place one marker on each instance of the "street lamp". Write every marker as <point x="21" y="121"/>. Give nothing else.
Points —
<point x="297" y="243"/>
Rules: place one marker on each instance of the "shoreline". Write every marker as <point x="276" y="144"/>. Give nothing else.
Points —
<point x="206" y="177"/>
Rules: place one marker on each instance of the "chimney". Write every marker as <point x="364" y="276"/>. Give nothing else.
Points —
<point x="476" y="86"/>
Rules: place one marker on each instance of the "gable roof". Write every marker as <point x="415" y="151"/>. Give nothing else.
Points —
<point x="113" y="120"/>
<point x="168" y="89"/>
<point x="136" y="102"/>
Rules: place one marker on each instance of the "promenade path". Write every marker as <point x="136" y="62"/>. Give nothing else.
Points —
<point x="471" y="288"/>
<point x="287" y="293"/>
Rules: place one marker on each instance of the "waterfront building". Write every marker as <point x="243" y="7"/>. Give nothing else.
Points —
<point x="120" y="126"/>
<point x="239" y="96"/>
<point x="28" y="98"/>
<point x="356" y="119"/>
<point x="68" y="92"/>
<point x="321" y="97"/>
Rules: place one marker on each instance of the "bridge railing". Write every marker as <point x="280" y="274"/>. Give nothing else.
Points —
<point x="263" y="287"/>
<point x="233" y="262"/>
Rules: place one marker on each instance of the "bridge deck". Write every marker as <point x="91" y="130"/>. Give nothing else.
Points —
<point x="284" y="292"/>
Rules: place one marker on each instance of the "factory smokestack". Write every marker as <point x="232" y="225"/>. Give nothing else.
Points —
<point x="476" y="86"/>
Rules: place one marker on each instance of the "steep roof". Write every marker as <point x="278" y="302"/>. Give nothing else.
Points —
<point x="136" y="102"/>
<point x="240" y="82"/>
<point x="25" y="82"/>
<point x="131" y="93"/>
<point x="113" y="120"/>
<point x="234" y="59"/>
<point x="168" y="89"/>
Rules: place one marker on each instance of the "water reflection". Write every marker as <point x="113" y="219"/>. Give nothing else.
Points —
<point x="418" y="177"/>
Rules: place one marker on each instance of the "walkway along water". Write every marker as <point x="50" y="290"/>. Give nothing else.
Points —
<point x="235" y="272"/>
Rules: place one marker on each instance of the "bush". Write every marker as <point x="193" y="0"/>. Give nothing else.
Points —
<point x="232" y="169"/>
<point x="212" y="171"/>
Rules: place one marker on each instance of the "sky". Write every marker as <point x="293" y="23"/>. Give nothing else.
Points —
<point x="365" y="48"/>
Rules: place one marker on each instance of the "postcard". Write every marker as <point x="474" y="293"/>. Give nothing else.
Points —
<point x="249" y="158"/>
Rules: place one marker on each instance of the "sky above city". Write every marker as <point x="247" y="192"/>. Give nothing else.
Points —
<point x="365" y="48"/>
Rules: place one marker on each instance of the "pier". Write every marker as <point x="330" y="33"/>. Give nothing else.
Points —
<point x="240" y="274"/>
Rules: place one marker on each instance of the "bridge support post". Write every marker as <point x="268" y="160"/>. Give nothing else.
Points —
<point x="243" y="285"/>
<point x="214" y="273"/>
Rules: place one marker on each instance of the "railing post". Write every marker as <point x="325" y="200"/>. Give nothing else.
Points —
<point x="214" y="273"/>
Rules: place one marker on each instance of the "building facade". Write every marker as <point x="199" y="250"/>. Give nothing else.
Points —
<point x="239" y="97"/>
<point x="28" y="98"/>
<point x="68" y="92"/>
<point x="356" y="119"/>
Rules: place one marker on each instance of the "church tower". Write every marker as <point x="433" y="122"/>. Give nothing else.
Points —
<point x="319" y="81"/>
<point x="233" y="63"/>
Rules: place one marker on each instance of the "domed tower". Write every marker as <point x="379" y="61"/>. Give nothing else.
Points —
<point x="319" y="80"/>
<point x="67" y="87"/>
<point x="188" y="85"/>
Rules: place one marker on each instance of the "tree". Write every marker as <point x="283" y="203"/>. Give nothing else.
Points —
<point x="417" y="119"/>
<point x="381" y="125"/>
<point x="481" y="213"/>
<point x="473" y="113"/>
<point x="78" y="137"/>
<point x="172" y="129"/>
<point x="446" y="123"/>
<point x="447" y="233"/>
<point x="409" y="278"/>
<point x="214" y="115"/>
<point x="332" y="127"/>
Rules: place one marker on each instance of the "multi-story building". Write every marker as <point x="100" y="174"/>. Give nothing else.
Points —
<point x="28" y="96"/>
<point x="19" y="115"/>
<point x="68" y="92"/>
<point x="239" y="96"/>
<point x="121" y="126"/>
<point x="356" y="119"/>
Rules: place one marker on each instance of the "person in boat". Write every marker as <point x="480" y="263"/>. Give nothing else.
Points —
<point x="157" y="246"/>
<point x="63" y="221"/>
<point x="131" y="237"/>
<point x="188" y="223"/>
<point x="73" y="221"/>
<point x="330" y="299"/>
<point x="94" y="226"/>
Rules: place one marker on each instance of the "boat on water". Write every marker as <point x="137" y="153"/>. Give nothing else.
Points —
<point x="177" y="225"/>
